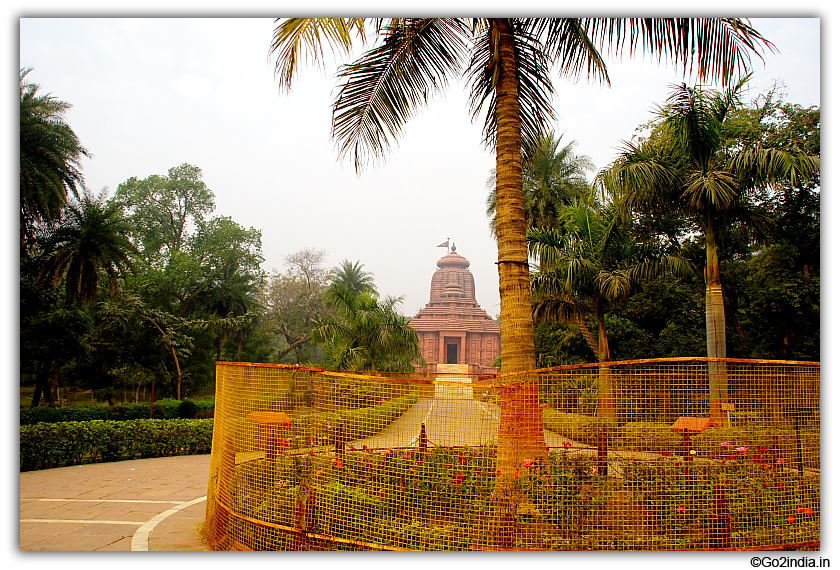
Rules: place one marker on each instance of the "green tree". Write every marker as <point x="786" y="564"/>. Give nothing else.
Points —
<point x="508" y="64"/>
<point x="552" y="177"/>
<point x="164" y="208"/>
<point x="686" y="166"/>
<point x="351" y="276"/>
<point x="294" y="302"/>
<point x="91" y="239"/>
<point x="366" y="333"/>
<point x="588" y="264"/>
<point x="50" y="153"/>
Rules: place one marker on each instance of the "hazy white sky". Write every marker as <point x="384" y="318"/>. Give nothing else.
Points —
<point x="150" y="94"/>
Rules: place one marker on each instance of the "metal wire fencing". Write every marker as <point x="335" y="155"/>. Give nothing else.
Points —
<point x="629" y="455"/>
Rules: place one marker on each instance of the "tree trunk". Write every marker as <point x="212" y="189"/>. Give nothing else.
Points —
<point x="42" y="383"/>
<point x="520" y="428"/>
<point x="606" y="395"/>
<point x="715" y="330"/>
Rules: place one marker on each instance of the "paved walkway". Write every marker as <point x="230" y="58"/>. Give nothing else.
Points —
<point x="145" y="504"/>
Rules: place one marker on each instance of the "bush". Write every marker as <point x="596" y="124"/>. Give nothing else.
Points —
<point x="578" y="427"/>
<point x="166" y="409"/>
<point x="47" y="445"/>
<point x="187" y="410"/>
<point x="648" y="436"/>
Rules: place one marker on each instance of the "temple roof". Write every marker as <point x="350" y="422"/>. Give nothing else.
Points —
<point x="452" y="305"/>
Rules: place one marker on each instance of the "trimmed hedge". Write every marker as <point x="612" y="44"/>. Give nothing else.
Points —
<point x="47" y="445"/>
<point x="166" y="409"/>
<point x="578" y="427"/>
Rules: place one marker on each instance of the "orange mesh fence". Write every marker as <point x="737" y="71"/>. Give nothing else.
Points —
<point x="675" y="454"/>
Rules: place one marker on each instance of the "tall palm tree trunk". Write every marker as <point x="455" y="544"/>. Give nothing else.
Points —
<point x="715" y="330"/>
<point x="520" y="429"/>
<point x="606" y="395"/>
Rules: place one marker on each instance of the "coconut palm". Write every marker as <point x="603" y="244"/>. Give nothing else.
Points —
<point x="685" y="167"/>
<point x="92" y="238"/>
<point x="587" y="264"/>
<point x="507" y="62"/>
<point x="351" y="276"/>
<point x="364" y="333"/>
<point x="552" y="177"/>
<point x="49" y="157"/>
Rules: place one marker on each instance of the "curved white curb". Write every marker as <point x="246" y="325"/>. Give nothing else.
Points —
<point x="140" y="540"/>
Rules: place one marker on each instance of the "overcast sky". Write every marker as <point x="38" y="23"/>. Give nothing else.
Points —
<point x="150" y="94"/>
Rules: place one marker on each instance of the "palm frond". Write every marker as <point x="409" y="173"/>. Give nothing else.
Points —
<point x="305" y="38"/>
<point x="713" y="48"/>
<point x="387" y="84"/>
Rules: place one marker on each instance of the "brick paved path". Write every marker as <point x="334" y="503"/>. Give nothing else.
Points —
<point x="145" y="504"/>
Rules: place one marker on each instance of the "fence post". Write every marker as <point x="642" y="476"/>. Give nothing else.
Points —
<point x="339" y="440"/>
<point x="423" y="439"/>
<point x="602" y="452"/>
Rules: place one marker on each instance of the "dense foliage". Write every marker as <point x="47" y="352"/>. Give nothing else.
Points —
<point x="47" y="445"/>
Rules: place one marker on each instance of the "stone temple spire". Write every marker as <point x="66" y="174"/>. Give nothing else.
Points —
<point x="453" y="328"/>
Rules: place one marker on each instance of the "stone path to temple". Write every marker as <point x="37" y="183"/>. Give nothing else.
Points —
<point x="146" y="504"/>
<point x="452" y="418"/>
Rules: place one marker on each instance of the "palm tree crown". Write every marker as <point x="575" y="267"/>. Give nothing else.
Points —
<point x="93" y="237"/>
<point x="49" y="157"/>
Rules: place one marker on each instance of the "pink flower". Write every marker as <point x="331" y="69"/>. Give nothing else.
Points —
<point x="780" y="461"/>
<point x="567" y="444"/>
<point x="527" y="463"/>
<point x="743" y="450"/>
<point x="725" y="445"/>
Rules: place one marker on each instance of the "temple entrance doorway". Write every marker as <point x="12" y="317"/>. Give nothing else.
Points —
<point x="453" y="350"/>
<point x="452" y="354"/>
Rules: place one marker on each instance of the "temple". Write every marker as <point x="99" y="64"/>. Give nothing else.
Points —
<point x="452" y="328"/>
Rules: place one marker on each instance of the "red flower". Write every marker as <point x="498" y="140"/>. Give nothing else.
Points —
<point x="459" y="479"/>
<point x="681" y="509"/>
<point x="799" y="510"/>
<point x="781" y="486"/>
<point x="765" y="485"/>
<point x="808" y="511"/>
<point x="338" y="463"/>
<point x="477" y="470"/>
<point x="567" y="444"/>
<point x="516" y="474"/>
<point x="791" y="519"/>
<point x="666" y="454"/>
<point x="462" y="460"/>
<point x="527" y="463"/>
<point x="762" y="450"/>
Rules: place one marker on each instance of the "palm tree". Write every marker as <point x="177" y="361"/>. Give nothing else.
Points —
<point x="352" y="277"/>
<point x="364" y="333"/>
<point x="685" y="167"/>
<point x="507" y="62"/>
<point x="91" y="238"/>
<point x="552" y="177"/>
<point x="587" y="264"/>
<point x="49" y="158"/>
